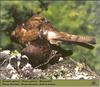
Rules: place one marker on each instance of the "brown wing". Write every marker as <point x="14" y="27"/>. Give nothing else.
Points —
<point x="56" y="37"/>
<point x="61" y="37"/>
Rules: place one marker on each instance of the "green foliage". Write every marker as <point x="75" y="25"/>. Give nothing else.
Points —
<point x="76" y="17"/>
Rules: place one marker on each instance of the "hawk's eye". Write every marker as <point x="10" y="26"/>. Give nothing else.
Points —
<point x="23" y="25"/>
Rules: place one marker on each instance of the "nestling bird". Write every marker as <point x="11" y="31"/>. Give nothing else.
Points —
<point x="42" y="40"/>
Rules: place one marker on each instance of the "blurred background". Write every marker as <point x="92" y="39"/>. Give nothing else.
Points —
<point x="75" y="17"/>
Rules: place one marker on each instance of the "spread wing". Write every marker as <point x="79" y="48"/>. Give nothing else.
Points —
<point x="56" y="37"/>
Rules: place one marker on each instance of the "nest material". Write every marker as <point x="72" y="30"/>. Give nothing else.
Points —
<point x="20" y="68"/>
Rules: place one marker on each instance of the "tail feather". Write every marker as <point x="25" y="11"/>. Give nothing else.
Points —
<point x="86" y="45"/>
<point x="85" y="41"/>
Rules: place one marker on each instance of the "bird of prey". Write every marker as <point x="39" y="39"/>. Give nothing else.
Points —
<point x="42" y="40"/>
